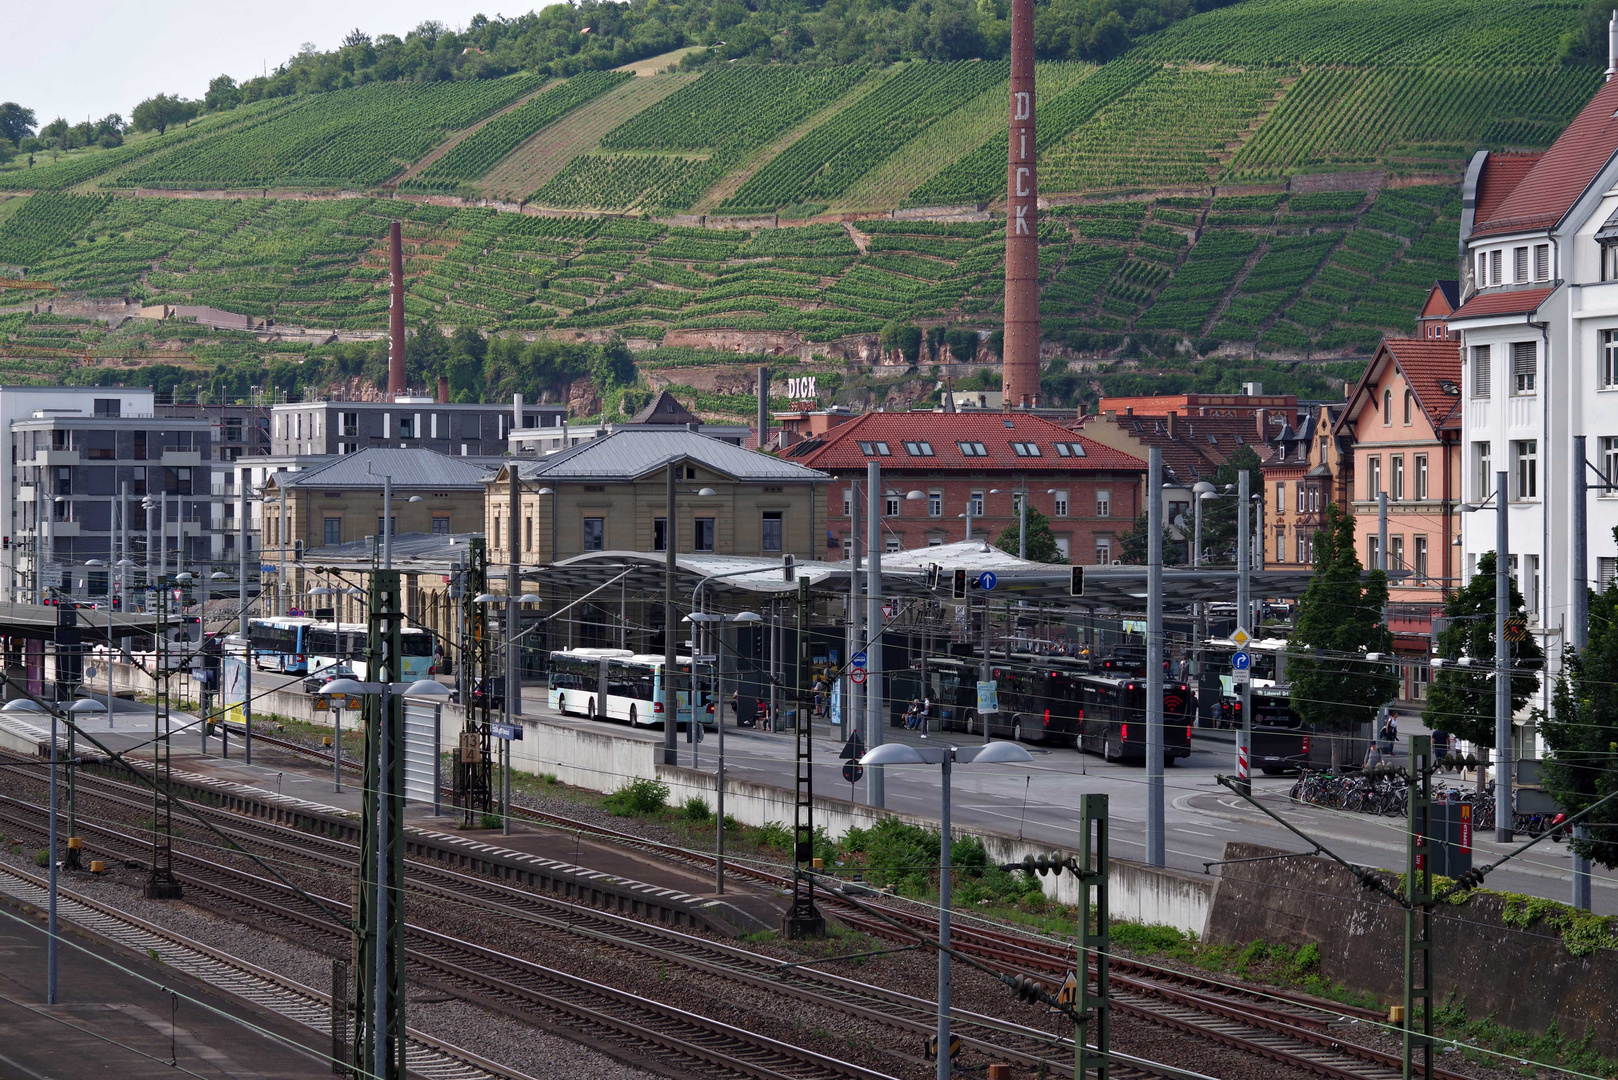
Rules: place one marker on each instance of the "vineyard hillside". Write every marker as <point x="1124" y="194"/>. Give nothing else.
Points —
<point x="1268" y="178"/>
<point x="1302" y="275"/>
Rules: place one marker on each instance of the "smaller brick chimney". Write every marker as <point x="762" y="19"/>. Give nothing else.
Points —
<point x="443" y="389"/>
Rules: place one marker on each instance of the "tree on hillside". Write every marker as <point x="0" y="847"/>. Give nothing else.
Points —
<point x="1334" y="688"/>
<point x="222" y="94"/>
<point x="1460" y="700"/>
<point x="1041" y="541"/>
<point x="903" y="338"/>
<point x="1582" y="730"/>
<point x="157" y="113"/>
<point x="16" y="122"/>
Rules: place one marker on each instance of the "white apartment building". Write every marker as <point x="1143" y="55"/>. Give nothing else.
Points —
<point x="1538" y="327"/>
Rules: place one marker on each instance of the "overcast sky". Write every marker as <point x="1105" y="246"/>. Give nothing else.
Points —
<point x="94" y="57"/>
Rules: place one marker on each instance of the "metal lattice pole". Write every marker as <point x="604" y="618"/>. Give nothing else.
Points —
<point x="1419" y="913"/>
<point x="1095" y="943"/>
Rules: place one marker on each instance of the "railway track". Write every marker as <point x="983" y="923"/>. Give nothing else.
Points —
<point x="427" y="1057"/>
<point x="999" y="1039"/>
<point x="1290" y="1029"/>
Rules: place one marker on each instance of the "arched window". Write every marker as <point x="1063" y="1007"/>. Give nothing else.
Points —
<point x="1410" y="404"/>
<point x="1387" y="407"/>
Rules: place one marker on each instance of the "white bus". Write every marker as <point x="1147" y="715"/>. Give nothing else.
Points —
<point x="615" y="684"/>
<point x="345" y="643"/>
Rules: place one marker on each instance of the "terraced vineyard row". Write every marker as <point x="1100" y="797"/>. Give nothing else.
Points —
<point x="485" y="148"/>
<point x="1344" y="117"/>
<point x="827" y="161"/>
<point x="981" y="174"/>
<point x="1306" y="273"/>
<point x="78" y="168"/>
<point x="1169" y="129"/>
<point x="360" y="136"/>
<point x="677" y="149"/>
<point x="1467" y="34"/>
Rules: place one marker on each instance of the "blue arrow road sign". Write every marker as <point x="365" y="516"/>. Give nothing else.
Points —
<point x="858" y="659"/>
<point x="1241" y="661"/>
<point x="986" y="580"/>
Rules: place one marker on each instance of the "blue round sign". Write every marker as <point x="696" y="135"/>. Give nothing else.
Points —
<point x="986" y="580"/>
<point x="1241" y="661"/>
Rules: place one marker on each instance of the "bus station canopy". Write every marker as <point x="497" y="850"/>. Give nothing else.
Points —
<point x="47" y="622"/>
<point x="904" y="574"/>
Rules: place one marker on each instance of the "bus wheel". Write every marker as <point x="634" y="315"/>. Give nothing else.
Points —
<point x="561" y="704"/>
<point x="632" y="716"/>
<point x="590" y="709"/>
<point x="971" y="723"/>
<point x="1016" y="730"/>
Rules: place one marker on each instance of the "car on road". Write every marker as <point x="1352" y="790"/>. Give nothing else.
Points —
<point x="315" y="683"/>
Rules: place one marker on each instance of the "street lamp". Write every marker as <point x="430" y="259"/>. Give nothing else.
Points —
<point x="994" y="753"/>
<point x="671" y="532"/>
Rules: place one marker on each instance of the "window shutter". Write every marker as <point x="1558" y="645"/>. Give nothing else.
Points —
<point x="1523" y="357"/>
<point x="1542" y="262"/>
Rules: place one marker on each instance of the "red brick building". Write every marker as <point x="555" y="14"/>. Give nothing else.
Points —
<point x="982" y="463"/>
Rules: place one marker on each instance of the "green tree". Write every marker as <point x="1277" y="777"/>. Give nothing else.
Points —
<point x="1582" y="730"/>
<point x="1460" y="700"/>
<point x="1041" y="541"/>
<point x="158" y="112"/>
<point x="1133" y="550"/>
<point x="903" y="338"/>
<point x="1339" y="620"/>
<point x="16" y="122"/>
<point x="222" y="94"/>
<point x="1219" y="521"/>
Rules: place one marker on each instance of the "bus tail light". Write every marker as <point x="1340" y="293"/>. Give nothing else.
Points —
<point x="1124" y="737"/>
<point x="657" y="706"/>
<point x="1188" y="734"/>
<point x="1047" y="718"/>
<point x="1306" y="745"/>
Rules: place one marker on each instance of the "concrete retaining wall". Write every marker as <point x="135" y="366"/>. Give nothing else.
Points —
<point x="607" y="758"/>
<point x="1525" y="978"/>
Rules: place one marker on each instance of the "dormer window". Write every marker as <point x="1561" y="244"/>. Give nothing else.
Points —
<point x="1609" y="260"/>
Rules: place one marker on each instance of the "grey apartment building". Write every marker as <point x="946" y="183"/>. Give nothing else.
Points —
<point x="347" y="427"/>
<point x="80" y="485"/>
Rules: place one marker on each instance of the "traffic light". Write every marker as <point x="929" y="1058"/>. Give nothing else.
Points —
<point x="1076" y="587"/>
<point x="957" y="587"/>
<point x="934" y="571"/>
<point x="789" y="567"/>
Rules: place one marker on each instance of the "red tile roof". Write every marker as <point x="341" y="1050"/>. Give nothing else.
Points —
<point x="1428" y="364"/>
<point x="839" y="449"/>
<point x="1556" y="180"/>
<point x="1198" y="445"/>
<point x="1500" y="177"/>
<point x="1513" y="302"/>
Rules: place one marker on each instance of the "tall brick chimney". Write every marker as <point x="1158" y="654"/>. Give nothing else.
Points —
<point x="443" y="389"/>
<point x="396" y="322"/>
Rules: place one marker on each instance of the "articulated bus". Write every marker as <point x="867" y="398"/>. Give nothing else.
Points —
<point x="616" y="684"/>
<point x="1036" y="697"/>
<point x="1112" y="717"/>
<point x="345" y="643"/>
<point x="281" y="644"/>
